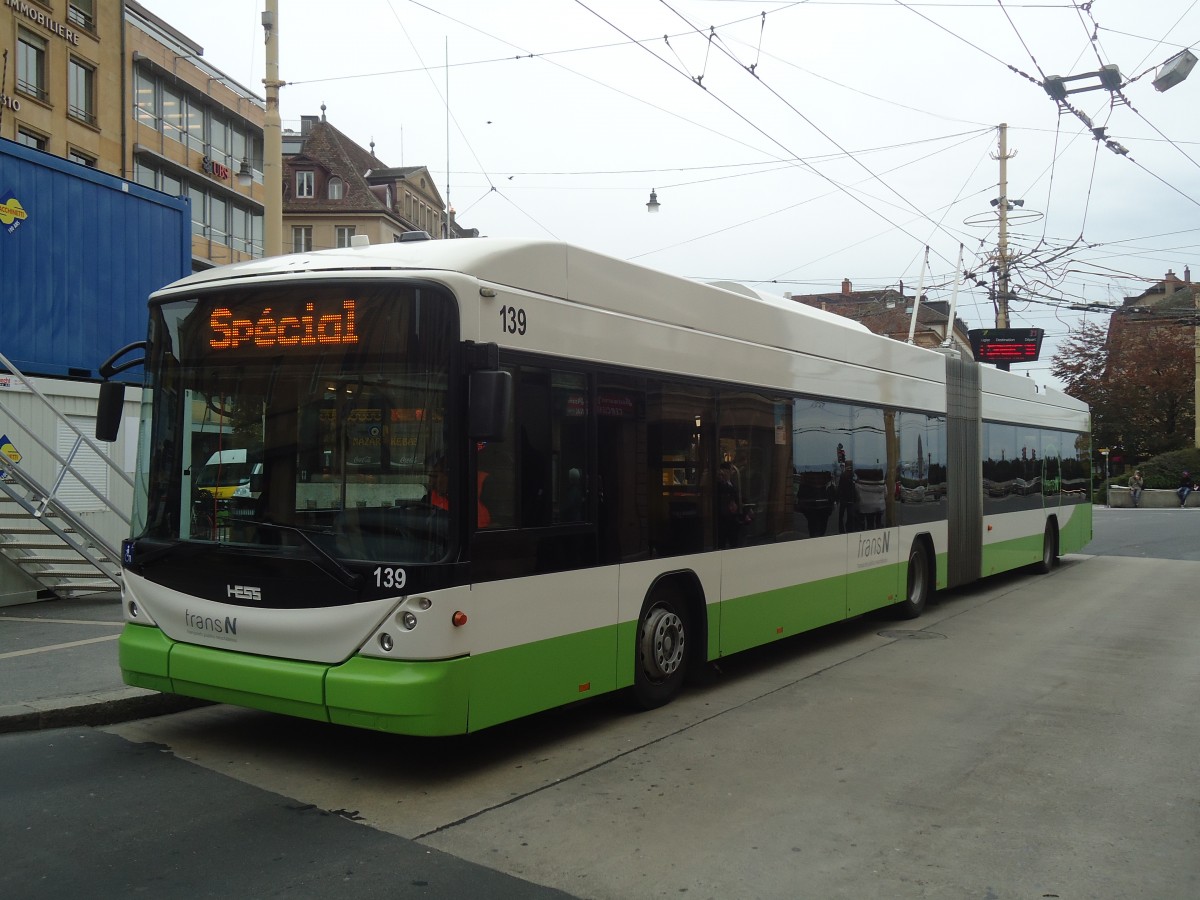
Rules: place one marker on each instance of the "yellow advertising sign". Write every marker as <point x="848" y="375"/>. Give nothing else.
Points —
<point x="7" y="448"/>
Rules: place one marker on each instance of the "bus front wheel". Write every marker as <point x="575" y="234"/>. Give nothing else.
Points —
<point x="662" y="650"/>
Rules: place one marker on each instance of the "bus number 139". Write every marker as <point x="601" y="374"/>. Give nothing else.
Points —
<point x="512" y="320"/>
<point x="389" y="577"/>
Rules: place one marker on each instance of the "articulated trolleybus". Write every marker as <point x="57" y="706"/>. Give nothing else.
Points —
<point x="490" y="477"/>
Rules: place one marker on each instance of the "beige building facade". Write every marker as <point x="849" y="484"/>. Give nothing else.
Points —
<point x="113" y="86"/>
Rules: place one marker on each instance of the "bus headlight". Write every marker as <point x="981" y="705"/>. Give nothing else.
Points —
<point x="385" y="642"/>
<point x="408" y="620"/>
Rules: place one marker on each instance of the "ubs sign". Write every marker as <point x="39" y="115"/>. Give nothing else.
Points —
<point x="214" y="168"/>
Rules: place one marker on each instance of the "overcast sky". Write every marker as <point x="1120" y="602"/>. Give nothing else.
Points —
<point x="791" y="145"/>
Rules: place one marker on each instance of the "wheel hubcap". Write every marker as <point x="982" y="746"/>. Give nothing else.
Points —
<point x="662" y="643"/>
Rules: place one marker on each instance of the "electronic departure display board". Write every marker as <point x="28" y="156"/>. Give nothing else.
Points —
<point x="1006" y="345"/>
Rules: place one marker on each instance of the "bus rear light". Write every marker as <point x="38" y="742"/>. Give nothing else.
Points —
<point x="459" y="618"/>
<point x="134" y="612"/>
<point x="408" y="620"/>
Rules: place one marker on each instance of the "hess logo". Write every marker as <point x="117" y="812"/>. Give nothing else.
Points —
<point x="243" y="592"/>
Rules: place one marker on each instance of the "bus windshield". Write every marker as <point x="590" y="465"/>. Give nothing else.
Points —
<point x="318" y="409"/>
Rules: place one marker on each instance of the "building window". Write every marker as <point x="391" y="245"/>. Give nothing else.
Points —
<point x="82" y="13"/>
<point x="344" y="233"/>
<point x="81" y="98"/>
<point x="143" y="174"/>
<point x="194" y="122"/>
<point x="218" y="219"/>
<point x="31" y="64"/>
<point x="29" y="139"/>
<point x="82" y="158"/>
<point x="337" y="188"/>
<point x="241" y="230"/>
<point x="304" y="184"/>
<point x="302" y="237"/>
<point x="174" y="112"/>
<point x="219" y="132"/>
<point x="145" y="109"/>
<point x="199" y="210"/>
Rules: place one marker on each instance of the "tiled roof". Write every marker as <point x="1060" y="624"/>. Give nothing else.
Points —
<point x="339" y="156"/>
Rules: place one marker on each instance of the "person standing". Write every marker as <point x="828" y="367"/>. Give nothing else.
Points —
<point x="847" y="495"/>
<point x="1136" y="483"/>
<point x="729" y="508"/>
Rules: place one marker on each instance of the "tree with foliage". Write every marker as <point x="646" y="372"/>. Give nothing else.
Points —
<point x="1138" y="376"/>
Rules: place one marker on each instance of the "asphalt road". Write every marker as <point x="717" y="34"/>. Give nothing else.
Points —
<point x="1029" y="737"/>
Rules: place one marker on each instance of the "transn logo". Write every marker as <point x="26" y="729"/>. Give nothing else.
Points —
<point x="243" y="592"/>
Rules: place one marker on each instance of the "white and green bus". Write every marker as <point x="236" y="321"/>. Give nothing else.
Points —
<point x="499" y="476"/>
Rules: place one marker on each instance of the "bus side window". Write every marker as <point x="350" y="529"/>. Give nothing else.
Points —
<point x="539" y="477"/>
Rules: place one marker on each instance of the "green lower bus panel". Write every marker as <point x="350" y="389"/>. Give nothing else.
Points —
<point x="1006" y="555"/>
<point x="419" y="698"/>
<point x="519" y="681"/>
<point x="761" y="618"/>
<point x="1077" y="532"/>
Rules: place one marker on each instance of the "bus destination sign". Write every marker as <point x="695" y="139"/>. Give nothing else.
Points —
<point x="278" y="327"/>
<point x="1006" y="345"/>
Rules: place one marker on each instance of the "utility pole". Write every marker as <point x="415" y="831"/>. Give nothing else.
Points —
<point x="272" y="138"/>
<point x="1002" y="208"/>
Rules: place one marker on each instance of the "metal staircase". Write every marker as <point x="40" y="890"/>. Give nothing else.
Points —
<point x="39" y="533"/>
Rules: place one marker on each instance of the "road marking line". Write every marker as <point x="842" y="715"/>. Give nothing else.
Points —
<point x="62" y="621"/>
<point x="67" y="646"/>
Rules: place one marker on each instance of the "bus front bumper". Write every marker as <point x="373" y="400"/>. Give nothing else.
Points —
<point x="423" y="698"/>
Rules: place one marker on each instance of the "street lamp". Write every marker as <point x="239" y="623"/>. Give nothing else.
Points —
<point x="245" y="175"/>
<point x="1174" y="70"/>
<point x="653" y="205"/>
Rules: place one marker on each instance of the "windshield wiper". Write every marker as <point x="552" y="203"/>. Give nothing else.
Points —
<point x="352" y="580"/>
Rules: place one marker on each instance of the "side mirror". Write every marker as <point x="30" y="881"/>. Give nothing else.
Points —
<point x="109" y="409"/>
<point x="488" y="404"/>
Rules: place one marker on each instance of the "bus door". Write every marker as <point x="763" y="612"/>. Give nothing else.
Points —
<point x="546" y="611"/>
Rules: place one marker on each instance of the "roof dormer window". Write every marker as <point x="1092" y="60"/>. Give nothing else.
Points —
<point x="337" y="188"/>
<point x="304" y="183"/>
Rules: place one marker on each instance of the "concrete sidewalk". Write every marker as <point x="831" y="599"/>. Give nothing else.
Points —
<point x="58" y="667"/>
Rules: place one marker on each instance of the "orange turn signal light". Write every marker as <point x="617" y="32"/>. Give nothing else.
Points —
<point x="459" y="618"/>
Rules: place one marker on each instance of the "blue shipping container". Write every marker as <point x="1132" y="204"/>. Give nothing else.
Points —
<point x="80" y="253"/>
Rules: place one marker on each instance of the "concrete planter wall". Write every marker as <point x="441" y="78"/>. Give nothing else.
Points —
<point x="1152" y="498"/>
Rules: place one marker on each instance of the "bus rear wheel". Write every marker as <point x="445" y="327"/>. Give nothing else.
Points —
<point x="662" y="650"/>
<point x="918" y="584"/>
<point x="1049" y="549"/>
